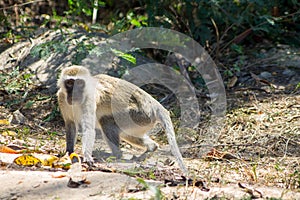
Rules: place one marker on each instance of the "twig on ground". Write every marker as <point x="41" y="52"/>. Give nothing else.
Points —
<point x="21" y="4"/>
<point x="237" y="145"/>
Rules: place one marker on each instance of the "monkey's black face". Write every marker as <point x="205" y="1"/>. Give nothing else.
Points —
<point x="75" y="90"/>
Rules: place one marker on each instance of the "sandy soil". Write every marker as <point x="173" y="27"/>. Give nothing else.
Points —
<point x="27" y="185"/>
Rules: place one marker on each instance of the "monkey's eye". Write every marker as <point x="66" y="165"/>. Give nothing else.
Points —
<point x="69" y="83"/>
<point x="80" y="83"/>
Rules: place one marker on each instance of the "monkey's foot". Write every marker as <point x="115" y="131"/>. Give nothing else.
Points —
<point x="142" y="157"/>
<point x="139" y="158"/>
<point x="90" y="166"/>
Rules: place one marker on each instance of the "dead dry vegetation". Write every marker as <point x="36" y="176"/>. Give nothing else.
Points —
<point x="257" y="154"/>
<point x="258" y="150"/>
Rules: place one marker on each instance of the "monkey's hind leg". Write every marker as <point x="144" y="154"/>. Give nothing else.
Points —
<point x="145" y="142"/>
<point x="112" y="135"/>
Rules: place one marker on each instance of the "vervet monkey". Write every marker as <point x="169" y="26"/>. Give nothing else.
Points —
<point x="120" y="109"/>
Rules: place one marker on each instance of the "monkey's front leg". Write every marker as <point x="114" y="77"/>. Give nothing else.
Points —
<point x="88" y="133"/>
<point x="71" y="135"/>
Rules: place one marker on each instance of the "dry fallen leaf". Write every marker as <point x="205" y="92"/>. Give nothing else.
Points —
<point x="9" y="133"/>
<point x="46" y="159"/>
<point x="188" y="181"/>
<point x="27" y="160"/>
<point x="5" y="149"/>
<point x="4" y="122"/>
<point x="59" y="175"/>
<point x="63" y="162"/>
<point x="218" y="155"/>
<point x="255" y="194"/>
<point x="75" y="158"/>
<point x="232" y="82"/>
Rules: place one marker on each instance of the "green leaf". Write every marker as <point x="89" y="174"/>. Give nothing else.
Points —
<point x="143" y="182"/>
<point x="29" y="104"/>
<point x="237" y="48"/>
<point x="135" y="22"/>
<point x="271" y="21"/>
<point x="125" y="56"/>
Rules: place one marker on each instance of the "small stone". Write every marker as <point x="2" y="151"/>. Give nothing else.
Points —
<point x="265" y="75"/>
<point x="288" y="72"/>
<point x="263" y="51"/>
<point x="18" y="118"/>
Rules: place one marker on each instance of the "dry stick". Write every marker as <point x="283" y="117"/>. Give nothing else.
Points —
<point x="226" y="31"/>
<point x="293" y="117"/>
<point x="218" y="38"/>
<point x="251" y="88"/>
<point x="223" y="35"/>
<point x="20" y="5"/>
<point x="17" y="14"/>
<point x="286" y="148"/>
<point x="237" y="145"/>
<point x="180" y="21"/>
<point x="292" y="141"/>
<point x="260" y="61"/>
<point x="95" y="11"/>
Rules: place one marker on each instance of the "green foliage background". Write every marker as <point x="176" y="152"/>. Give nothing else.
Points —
<point x="221" y="26"/>
<point x="204" y="20"/>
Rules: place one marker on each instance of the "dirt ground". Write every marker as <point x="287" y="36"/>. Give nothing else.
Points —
<point x="28" y="185"/>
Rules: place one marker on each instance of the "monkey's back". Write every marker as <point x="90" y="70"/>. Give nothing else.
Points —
<point x="120" y="98"/>
<point x="119" y="91"/>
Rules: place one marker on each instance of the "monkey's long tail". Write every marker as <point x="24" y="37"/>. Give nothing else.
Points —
<point x="166" y="122"/>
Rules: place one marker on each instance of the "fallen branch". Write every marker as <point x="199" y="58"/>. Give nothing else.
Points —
<point x="20" y="5"/>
